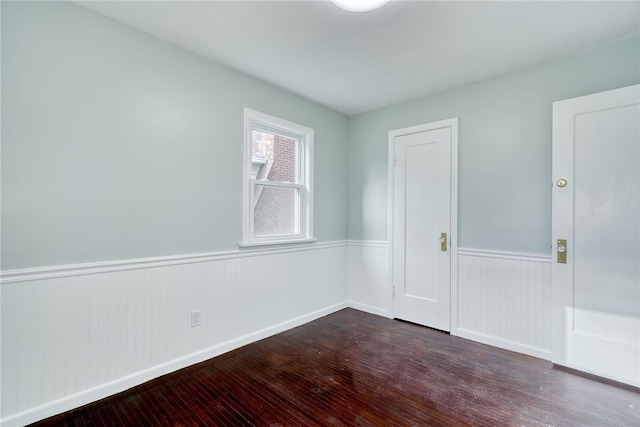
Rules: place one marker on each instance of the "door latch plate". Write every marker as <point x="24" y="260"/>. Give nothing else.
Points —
<point x="443" y="242"/>
<point x="562" y="251"/>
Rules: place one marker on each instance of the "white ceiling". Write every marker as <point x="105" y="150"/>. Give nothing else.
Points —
<point x="355" y="62"/>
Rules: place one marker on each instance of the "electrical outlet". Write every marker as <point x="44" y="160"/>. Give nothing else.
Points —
<point x="195" y="318"/>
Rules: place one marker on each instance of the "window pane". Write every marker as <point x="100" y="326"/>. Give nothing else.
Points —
<point x="275" y="211"/>
<point x="274" y="157"/>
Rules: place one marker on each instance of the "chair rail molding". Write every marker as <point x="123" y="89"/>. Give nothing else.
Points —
<point x="50" y="272"/>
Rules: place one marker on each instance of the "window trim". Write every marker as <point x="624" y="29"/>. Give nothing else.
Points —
<point x="254" y="119"/>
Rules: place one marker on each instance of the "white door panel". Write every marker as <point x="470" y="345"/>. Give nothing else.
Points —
<point x="420" y="182"/>
<point x="421" y="212"/>
<point x="596" y="294"/>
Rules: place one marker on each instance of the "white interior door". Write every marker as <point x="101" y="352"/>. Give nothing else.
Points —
<point x="596" y="294"/>
<point x="421" y="214"/>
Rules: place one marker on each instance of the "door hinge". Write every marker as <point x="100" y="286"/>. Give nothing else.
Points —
<point x="394" y="160"/>
<point x="393" y="291"/>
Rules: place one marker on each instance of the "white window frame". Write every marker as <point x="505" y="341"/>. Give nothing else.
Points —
<point x="255" y="120"/>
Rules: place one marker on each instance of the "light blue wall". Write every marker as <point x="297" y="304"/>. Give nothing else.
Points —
<point x="117" y="145"/>
<point x="504" y="148"/>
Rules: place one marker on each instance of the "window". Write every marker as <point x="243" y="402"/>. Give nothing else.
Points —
<point x="278" y="191"/>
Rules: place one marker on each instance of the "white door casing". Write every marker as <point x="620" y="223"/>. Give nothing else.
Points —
<point x="596" y="294"/>
<point x="423" y="204"/>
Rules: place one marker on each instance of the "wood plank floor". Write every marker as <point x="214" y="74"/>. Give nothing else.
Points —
<point x="355" y="369"/>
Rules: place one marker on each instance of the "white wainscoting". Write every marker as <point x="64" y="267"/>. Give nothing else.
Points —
<point x="504" y="300"/>
<point x="75" y="334"/>
<point x="369" y="288"/>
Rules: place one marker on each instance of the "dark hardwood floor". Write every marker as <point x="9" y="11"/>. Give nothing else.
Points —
<point x="356" y="369"/>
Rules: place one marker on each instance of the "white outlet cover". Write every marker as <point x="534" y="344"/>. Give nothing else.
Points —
<point x="195" y="318"/>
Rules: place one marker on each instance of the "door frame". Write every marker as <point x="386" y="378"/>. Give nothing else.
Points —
<point x="453" y="234"/>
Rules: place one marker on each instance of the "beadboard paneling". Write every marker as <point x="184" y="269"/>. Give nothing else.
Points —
<point x="504" y="299"/>
<point x="69" y="339"/>
<point x="75" y="334"/>
<point x="369" y="277"/>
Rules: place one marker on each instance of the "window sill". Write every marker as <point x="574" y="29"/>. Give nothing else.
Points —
<point x="275" y="242"/>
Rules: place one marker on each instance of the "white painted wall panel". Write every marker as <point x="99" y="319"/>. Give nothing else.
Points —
<point x="69" y="337"/>
<point x="369" y="277"/>
<point x="79" y="337"/>
<point x="504" y="299"/>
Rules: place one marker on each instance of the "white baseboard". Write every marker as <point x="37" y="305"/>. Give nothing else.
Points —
<point x="370" y="309"/>
<point x="502" y="343"/>
<point x="122" y="384"/>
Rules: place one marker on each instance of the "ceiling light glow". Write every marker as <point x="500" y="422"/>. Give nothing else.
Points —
<point x="359" y="5"/>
